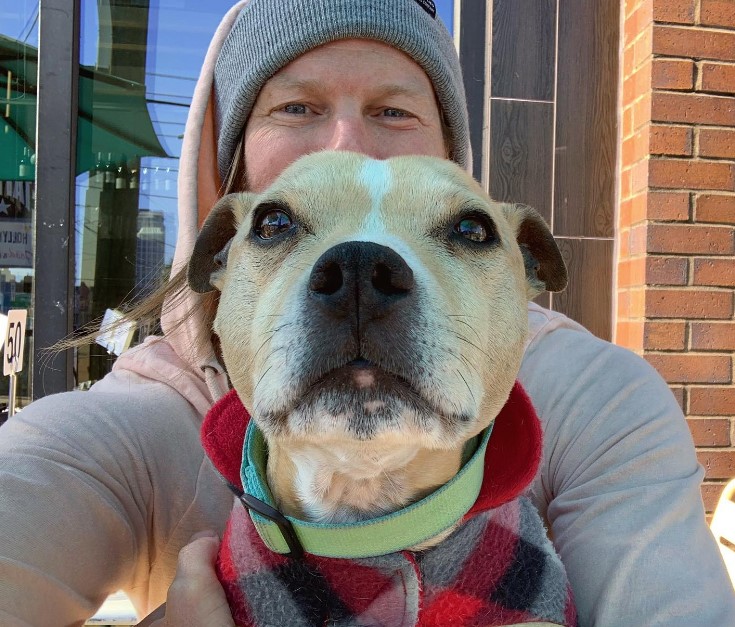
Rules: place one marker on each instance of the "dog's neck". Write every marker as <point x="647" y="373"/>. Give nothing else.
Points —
<point x="337" y="483"/>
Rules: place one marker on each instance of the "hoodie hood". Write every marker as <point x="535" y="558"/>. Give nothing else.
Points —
<point x="177" y="359"/>
<point x="199" y="188"/>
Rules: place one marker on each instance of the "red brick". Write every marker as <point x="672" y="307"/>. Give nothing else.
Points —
<point x="718" y="77"/>
<point x="698" y="43"/>
<point x="638" y="208"/>
<point x="623" y="304"/>
<point x="678" y="11"/>
<point x="639" y="176"/>
<point x="637" y="306"/>
<point x="715" y="208"/>
<point x="689" y="174"/>
<point x="668" y="205"/>
<point x="631" y="6"/>
<point x="711" y="494"/>
<point x="637" y="239"/>
<point x="717" y="13"/>
<point x="627" y="62"/>
<point x="629" y="334"/>
<point x="638" y="83"/>
<point x="712" y="401"/>
<point x="627" y="121"/>
<point x="717" y="464"/>
<point x="718" y="336"/>
<point x="632" y="272"/>
<point x="636" y="147"/>
<point x="642" y="111"/>
<point x="672" y="74"/>
<point x="624" y="241"/>
<point x="626" y="183"/>
<point x="671" y="140"/>
<point x="642" y="47"/>
<point x="692" y="109"/>
<point x="688" y="368"/>
<point x="667" y="270"/>
<point x="710" y="431"/>
<point x="690" y="239"/>
<point x="697" y="304"/>
<point x="664" y="336"/>
<point x="715" y="272"/>
<point x="678" y="393"/>
<point x="625" y="212"/>
<point x="639" y="20"/>
<point x="717" y="142"/>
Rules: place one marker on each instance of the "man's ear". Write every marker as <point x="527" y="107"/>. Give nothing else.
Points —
<point x="545" y="268"/>
<point x="208" y="260"/>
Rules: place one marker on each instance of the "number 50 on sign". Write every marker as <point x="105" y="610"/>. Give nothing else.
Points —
<point x="14" y="341"/>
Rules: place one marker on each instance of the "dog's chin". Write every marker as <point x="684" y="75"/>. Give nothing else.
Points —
<point x="361" y="401"/>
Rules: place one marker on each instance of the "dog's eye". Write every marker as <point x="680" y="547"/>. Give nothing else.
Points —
<point x="272" y="223"/>
<point x="476" y="228"/>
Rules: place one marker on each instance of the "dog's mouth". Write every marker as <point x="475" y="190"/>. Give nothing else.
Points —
<point x="366" y="379"/>
<point x="361" y="399"/>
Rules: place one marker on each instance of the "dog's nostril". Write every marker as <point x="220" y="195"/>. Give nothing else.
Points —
<point x="327" y="279"/>
<point x="390" y="281"/>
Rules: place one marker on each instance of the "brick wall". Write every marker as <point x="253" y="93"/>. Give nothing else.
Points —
<point x="676" y="247"/>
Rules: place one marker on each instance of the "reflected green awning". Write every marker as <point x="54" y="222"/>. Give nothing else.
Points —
<point x="113" y="117"/>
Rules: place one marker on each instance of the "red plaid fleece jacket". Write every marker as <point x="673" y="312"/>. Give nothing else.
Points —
<point x="497" y="568"/>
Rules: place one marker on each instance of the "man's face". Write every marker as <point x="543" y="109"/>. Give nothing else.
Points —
<point x="352" y="94"/>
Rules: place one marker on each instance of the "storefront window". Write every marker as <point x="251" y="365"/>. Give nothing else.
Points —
<point x="138" y="67"/>
<point x="18" y="69"/>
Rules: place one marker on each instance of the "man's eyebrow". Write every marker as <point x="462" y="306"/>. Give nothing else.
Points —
<point x="307" y="85"/>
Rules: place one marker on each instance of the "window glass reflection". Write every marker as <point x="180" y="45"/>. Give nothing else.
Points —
<point x="18" y="71"/>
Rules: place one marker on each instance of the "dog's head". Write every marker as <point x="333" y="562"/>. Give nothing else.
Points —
<point x="369" y="300"/>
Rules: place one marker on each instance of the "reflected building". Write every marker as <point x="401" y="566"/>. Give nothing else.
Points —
<point x="149" y="253"/>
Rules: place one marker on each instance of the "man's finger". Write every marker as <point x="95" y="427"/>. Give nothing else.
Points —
<point x="196" y="597"/>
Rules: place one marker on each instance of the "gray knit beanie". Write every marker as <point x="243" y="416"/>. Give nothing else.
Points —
<point x="269" y="34"/>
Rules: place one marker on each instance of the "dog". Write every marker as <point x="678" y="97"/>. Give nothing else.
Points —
<point x="372" y="318"/>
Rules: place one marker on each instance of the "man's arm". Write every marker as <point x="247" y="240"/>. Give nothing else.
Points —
<point x="619" y="484"/>
<point x="99" y="491"/>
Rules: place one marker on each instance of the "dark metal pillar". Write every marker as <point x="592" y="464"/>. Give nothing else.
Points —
<point x="473" y="41"/>
<point x="53" y="285"/>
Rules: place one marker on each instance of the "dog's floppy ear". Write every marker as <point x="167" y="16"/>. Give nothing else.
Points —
<point x="545" y="268"/>
<point x="209" y="257"/>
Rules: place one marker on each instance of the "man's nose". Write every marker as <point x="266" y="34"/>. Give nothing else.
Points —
<point x="352" y="133"/>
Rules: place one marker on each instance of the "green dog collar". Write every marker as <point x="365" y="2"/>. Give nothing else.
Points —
<point x="393" y="532"/>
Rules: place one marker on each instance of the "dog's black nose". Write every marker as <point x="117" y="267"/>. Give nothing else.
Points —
<point x="360" y="278"/>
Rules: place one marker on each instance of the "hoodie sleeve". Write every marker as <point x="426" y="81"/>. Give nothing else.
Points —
<point x="99" y="491"/>
<point x="620" y="487"/>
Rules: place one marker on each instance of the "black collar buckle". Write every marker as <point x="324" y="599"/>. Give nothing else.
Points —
<point x="284" y="525"/>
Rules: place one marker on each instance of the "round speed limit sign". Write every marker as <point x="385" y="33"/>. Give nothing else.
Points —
<point x="14" y="341"/>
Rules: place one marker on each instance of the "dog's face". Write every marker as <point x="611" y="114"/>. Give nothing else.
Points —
<point x="372" y="302"/>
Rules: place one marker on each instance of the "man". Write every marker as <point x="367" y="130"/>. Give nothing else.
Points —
<point x="104" y="488"/>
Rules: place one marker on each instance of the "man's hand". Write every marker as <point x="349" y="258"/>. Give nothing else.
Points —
<point x="195" y="598"/>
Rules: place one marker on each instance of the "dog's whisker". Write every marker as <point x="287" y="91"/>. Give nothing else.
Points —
<point x="267" y="370"/>
<point x="269" y="335"/>
<point x="462" y="338"/>
<point x="463" y="316"/>
<point x="468" y="325"/>
<point x="469" y="389"/>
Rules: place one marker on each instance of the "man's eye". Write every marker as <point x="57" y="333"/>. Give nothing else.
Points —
<point x="395" y="113"/>
<point x="272" y="223"/>
<point x="295" y="109"/>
